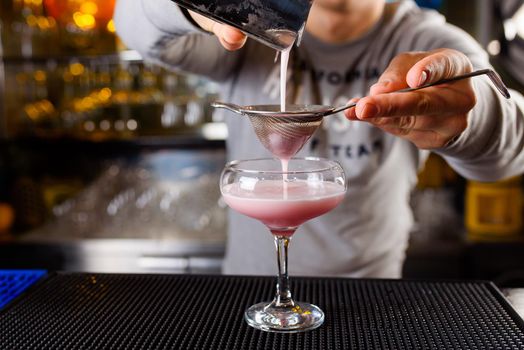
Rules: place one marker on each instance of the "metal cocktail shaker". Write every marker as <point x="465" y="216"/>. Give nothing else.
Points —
<point x="275" y="23"/>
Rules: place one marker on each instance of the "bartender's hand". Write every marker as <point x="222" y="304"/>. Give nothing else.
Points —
<point x="230" y="37"/>
<point x="430" y="118"/>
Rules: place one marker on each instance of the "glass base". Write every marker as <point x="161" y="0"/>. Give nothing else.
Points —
<point x="271" y="318"/>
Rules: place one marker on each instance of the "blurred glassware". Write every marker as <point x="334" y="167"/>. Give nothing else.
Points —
<point x="92" y="94"/>
<point x="26" y="31"/>
<point x="101" y="98"/>
<point x="61" y="85"/>
<point x="150" y="198"/>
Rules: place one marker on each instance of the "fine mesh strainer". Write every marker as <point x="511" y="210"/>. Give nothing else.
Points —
<point x="284" y="133"/>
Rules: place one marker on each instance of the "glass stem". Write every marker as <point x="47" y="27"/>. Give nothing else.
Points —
<point x="283" y="296"/>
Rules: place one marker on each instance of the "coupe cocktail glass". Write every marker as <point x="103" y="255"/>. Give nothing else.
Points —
<point x="283" y="200"/>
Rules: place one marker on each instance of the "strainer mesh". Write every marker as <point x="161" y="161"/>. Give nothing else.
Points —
<point x="284" y="136"/>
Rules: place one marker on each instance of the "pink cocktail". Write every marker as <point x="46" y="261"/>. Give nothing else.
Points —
<point x="283" y="200"/>
<point x="283" y="206"/>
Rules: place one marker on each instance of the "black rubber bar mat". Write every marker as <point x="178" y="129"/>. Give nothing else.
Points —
<point x="125" y="311"/>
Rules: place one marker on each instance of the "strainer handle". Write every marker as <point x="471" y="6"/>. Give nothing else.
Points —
<point x="492" y="75"/>
<point x="230" y="106"/>
<point x="342" y="108"/>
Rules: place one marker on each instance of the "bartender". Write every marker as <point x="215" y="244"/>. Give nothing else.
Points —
<point x="350" y="49"/>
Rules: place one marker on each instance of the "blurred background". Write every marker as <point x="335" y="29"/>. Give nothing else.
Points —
<point x="108" y="164"/>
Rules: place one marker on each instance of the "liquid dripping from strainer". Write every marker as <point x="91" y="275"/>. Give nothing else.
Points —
<point x="284" y="137"/>
<point x="281" y="138"/>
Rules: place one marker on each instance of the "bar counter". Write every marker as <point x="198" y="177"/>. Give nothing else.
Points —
<point x="156" y="311"/>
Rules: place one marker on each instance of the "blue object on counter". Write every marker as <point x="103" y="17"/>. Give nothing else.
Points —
<point x="15" y="282"/>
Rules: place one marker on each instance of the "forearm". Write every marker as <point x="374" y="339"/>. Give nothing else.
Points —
<point x="142" y="24"/>
<point x="161" y="33"/>
<point x="492" y="146"/>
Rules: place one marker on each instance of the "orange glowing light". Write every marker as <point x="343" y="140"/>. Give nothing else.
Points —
<point x="84" y="21"/>
<point x="89" y="8"/>
<point x="64" y="11"/>
<point x="76" y="69"/>
<point x="111" y="26"/>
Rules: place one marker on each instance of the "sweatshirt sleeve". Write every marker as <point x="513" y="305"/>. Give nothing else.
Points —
<point x="492" y="146"/>
<point x="161" y="33"/>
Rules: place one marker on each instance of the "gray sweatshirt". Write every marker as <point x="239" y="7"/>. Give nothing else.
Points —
<point x="367" y="235"/>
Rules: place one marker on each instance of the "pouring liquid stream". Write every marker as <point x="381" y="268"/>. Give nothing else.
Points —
<point x="284" y="60"/>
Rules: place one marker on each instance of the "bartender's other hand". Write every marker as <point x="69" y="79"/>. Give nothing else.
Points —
<point x="231" y="38"/>
<point x="430" y="118"/>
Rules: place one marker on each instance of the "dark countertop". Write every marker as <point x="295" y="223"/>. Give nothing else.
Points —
<point x="70" y="310"/>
